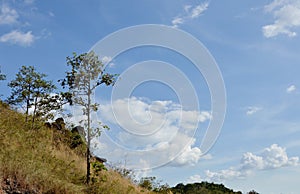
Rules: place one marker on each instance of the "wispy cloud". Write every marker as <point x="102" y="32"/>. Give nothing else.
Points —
<point x="272" y="157"/>
<point x="191" y="12"/>
<point x="8" y="15"/>
<point x="252" y="110"/>
<point x="291" y="89"/>
<point x="287" y="17"/>
<point x="29" y="1"/>
<point x="18" y="38"/>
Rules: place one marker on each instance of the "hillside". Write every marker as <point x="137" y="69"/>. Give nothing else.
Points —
<point x="40" y="160"/>
<point x="45" y="160"/>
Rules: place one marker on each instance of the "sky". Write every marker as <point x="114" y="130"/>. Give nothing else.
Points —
<point x="170" y="91"/>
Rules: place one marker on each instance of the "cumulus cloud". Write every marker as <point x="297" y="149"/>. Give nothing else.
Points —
<point x="252" y="110"/>
<point x="287" y="17"/>
<point x="142" y="117"/>
<point x="273" y="157"/>
<point x="190" y="156"/>
<point x="18" y="37"/>
<point x="191" y="12"/>
<point x="8" y="15"/>
<point x="291" y="89"/>
<point x="161" y="129"/>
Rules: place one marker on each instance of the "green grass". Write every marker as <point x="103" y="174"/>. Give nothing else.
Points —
<point x="40" y="160"/>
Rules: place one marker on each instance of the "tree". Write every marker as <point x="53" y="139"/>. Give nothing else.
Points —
<point x="29" y="88"/>
<point x="86" y="75"/>
<point x="252" y="192"/>
<point x="2" y="76"/>
<point x="151" y="184"/>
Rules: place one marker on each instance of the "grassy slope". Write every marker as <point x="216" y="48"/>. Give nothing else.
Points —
<point x="37" y="161"/>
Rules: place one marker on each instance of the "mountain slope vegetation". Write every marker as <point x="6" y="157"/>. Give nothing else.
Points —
<point x="40" y="160"/>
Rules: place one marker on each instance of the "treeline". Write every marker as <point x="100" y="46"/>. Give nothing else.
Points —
<point x="202" y="188"/>
<point x="150" y="183"/>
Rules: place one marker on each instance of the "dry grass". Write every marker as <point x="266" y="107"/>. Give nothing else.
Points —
<point x="38" y="161"/>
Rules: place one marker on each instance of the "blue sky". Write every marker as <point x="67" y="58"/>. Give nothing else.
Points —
<point x="256" y="46"/>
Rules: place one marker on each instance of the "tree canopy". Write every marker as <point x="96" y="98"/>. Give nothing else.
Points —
<point x="28" y="88"/>
<point x="2" y="76"/>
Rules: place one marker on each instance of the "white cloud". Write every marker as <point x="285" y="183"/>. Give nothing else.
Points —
<point x="142" y="117"/>
<point x="198" y="10"/>
<point x="195" y="179"/>
<point x="19" y="38"/>
<point x="291" y="89"/>
<point x="252" y="161"/>
<point x="273" y="157"/>
<point x="191" y="12"/>
<point x="252" y="110"/>
<point x="227" y="174"/>
<point x="176" y="21"/>
<point x="190" y="156"/>
<point x="187" y="8"/>
<point x="287" y="17"/>
<point x="8" y="15"/>
<point x="159" y="128"/>
<point x="276" y="157"/>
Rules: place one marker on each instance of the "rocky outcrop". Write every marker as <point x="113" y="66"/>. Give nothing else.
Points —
<point x="8" y="186"/>
<point x="79" y="130"/>
<point x="58" y="124"/>
<point x="98" y="159"/>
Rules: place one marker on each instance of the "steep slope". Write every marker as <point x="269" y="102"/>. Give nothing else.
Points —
<point x="40" y="160"/>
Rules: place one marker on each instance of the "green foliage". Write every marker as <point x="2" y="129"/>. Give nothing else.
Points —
<point x="202" y="188"/>
<point x="151" y="184"/>
<point x="76" y="140"/>
<point x="97" y="167"/>
<point x="2" y="76"/>
<point x="252" y="192"/>
<point x="124" y="172"/>
<point x="147" y="183"/>
<point x="48" y="104"/>
<point x="28" y="88"/>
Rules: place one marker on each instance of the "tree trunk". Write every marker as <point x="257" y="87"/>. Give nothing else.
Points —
<point x="34" y="112"/>
<point x="27" y="109"/>
<point x="88" y="168"/>
<point x="88" y="172"/>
